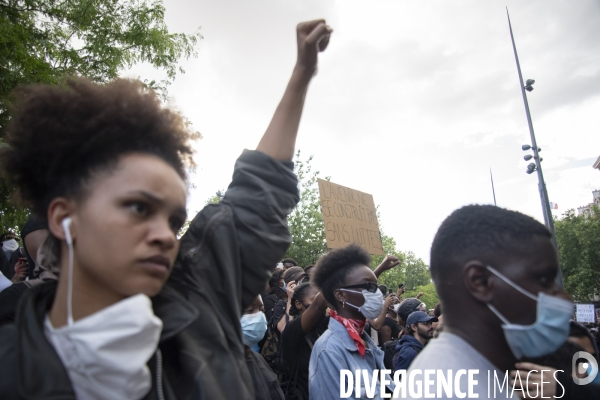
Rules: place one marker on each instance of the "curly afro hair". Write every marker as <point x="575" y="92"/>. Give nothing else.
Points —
<point x="479" y="232"/>
<point x="332" y="269"/>
<point x="60" y="136"/>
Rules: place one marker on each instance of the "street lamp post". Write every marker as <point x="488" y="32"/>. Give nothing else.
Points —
<point x="528" y="85"/>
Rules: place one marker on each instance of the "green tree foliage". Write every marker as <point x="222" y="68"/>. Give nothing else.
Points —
<point x="412" y="271"/>
<point x="396" y="275"/>
<point x="309" y="242"/>
<point x="306" y="222"/>
<point x="430" y="297"/>
<point x="42" y="41"/>
<point x="578" y="240"/>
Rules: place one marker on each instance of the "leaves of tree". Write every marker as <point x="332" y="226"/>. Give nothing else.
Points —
<point x="578" y="239"/>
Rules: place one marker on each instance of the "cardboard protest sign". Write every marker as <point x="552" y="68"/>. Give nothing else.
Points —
<point x="350" y="216"/>
<point x="585" y="313"/>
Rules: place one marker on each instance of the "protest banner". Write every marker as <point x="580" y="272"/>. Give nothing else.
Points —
<point x="350" y="216"/>
<point x="585" y="313"/>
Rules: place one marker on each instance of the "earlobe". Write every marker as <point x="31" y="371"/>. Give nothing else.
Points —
<point x="60" y="221"/>
<point x="476" y="281"/>
<point x="339" y="295"/>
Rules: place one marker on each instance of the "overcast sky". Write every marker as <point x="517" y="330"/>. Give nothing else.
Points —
<point x="414" y="101"/>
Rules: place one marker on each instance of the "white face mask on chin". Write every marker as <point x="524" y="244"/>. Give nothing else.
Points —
<point x="105" y="354"/>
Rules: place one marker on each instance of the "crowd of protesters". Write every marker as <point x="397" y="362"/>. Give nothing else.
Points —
<point x="99" y="299"/>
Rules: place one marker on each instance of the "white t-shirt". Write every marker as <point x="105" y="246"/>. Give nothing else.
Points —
<point x="450" y="352"/>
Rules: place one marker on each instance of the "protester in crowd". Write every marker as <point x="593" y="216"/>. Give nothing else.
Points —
<point x="494" y="271"/>
<point x="375" y="325"/>
<point x="270" y="347"/>
<point x="390" y="329"/>
<point x="15" y="268"/>
<point x="418" y="331"/>
<point x="557" y="381"/>
<point x="350" y="287"/>
<point x="300" y="334"/>
<point x="276" y="292"/>
<point x="34" y="233"/>
<point x="400" y="291"/>
<point x="532" y="384"/>
<point x="254" y="326"/>
<point x="288" y="263"/>
<point x="439" y="325"/>
<point x="292" y="277"/>
<point x="106" y="166"/>
<point x="309" y="269"/>
<point x="579" y="335"/>
<point x="407" y="307"/>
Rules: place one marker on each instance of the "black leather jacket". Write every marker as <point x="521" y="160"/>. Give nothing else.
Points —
<point x="224" y="261"/>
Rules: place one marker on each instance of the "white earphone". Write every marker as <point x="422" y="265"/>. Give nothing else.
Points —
<point x="66" y="224"/>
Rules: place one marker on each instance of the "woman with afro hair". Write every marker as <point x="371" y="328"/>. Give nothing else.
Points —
<point x="137" y="313"/>
<point x="350" y="287"/>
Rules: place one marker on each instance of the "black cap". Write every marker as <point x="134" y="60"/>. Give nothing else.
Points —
<point x="407" y="307"/>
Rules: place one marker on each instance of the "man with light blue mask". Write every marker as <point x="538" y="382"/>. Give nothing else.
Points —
<point x="495" y="273"/>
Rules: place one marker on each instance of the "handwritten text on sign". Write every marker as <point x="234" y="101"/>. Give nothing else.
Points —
<point x="350" y="217"/>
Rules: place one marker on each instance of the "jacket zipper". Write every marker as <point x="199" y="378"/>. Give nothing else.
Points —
<point x="159" y="386"/>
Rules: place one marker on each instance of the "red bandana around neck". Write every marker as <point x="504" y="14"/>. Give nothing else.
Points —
<point x="355" y="328"/>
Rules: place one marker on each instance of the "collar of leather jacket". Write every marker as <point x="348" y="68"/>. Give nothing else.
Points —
<point x="41" y="372"/>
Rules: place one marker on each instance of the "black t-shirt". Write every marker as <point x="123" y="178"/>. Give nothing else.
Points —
<point x="393" y="326"/>
<point x="266" y="386"/>
<point x="268" y="303"/>
<point x="296" y="350"/>
<point x="279" y="311"/>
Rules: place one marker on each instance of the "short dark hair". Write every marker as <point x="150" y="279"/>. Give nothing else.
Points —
<point x="437" y="309"/>
<point x="289" y="261"/>
<point x="308" y="268"/>
<point x="479" y="232"/>
<point x="299" y="294"/>
<point x="333" y="268"/>
<point x="274" y="281"/>
<point x="60" y="136"/>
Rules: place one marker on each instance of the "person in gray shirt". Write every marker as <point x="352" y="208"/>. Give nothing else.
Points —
<point x="494" y="271"/>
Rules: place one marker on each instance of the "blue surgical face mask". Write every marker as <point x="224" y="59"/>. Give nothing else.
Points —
<point x="283" y="287"/>
<point x="254" y="327"/>
<point x="546" y="334"/>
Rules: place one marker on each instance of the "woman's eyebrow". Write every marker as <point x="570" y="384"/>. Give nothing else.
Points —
<point x="157" y="201"/>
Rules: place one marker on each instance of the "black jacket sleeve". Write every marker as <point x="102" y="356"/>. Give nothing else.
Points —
<point x="573" y="391"/>
<point x="262" y="194"/>
<point x="224" y="260"/>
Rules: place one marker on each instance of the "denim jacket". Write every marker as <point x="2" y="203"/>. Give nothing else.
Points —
<point x="334" y="351"/>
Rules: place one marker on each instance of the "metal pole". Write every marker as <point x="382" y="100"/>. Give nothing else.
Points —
<point x="536" y="156"/>
<point x="493" y="190"/>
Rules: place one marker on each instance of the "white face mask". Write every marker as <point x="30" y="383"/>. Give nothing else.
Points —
<point x="10" y="245"/>
<point x="105" y="354"/>
<point x="372" y="305"/>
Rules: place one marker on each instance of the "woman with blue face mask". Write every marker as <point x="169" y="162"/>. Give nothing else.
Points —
<point x="254" y="327"/>
<point x="137" y="312"/>
<point x="350" y="287"/>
